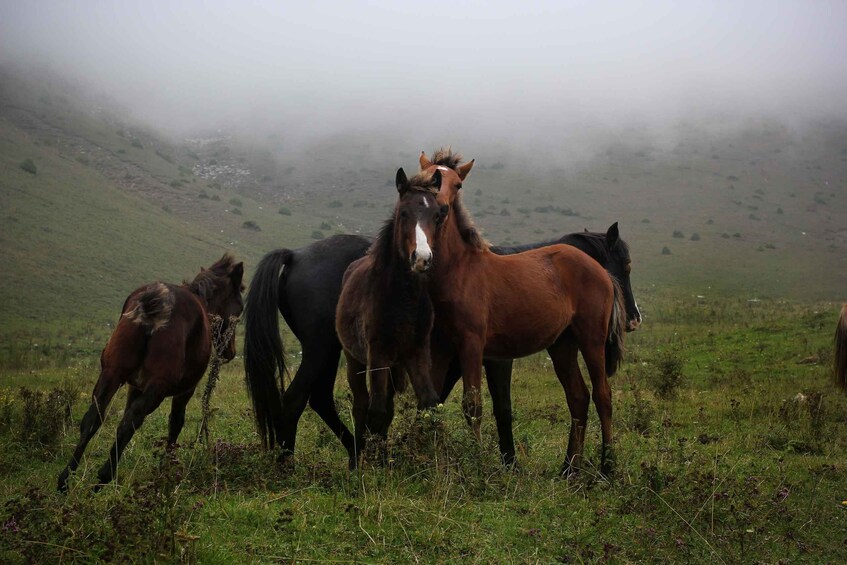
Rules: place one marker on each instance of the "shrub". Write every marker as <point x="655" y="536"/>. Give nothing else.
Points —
<point x="203" y="195"/>
<point x="82" y="160"/>
<point x="28" y="166"/>
<point x="46" y="413"/>
<point x="284" y="211"/>
<point x="176" y="183"/>
<point x="317" y="234"/>
<point x="137" y="143"/>
<point x="666" y="250"/>
<point x="165" y="156"/>
<point x="695" y="236"/>
<point x="325" y="226"/>
<point x="667" y="377"/>
<point x="213" y="162"/>
<point x="678" y="234"/>
<point x="251" y="225"/>
<point x="236" y="211"/>
<point x="216" y="198"/>
<point x="505" y="212"/>
<point x="235" y="201"/>
<point x="121" y="151"/>
<point x="335" y="204"/>
<point x="779" y="211"/>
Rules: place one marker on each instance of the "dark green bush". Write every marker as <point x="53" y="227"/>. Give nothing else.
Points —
<point x="28" y="166"/>
<point x="317" y="234"/>
<point x="284" y="211"/>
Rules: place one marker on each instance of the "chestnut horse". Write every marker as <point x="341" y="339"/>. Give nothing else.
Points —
<point x="841" y="350"/>
<point x="507" y="306"/>
<point x="384" y="316"/>
<point x="160" y="347"/>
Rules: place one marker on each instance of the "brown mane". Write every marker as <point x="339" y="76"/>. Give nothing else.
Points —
<point x="204" y="283"/>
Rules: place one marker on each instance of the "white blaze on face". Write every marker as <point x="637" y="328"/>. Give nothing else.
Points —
<point x="422" y="251"/>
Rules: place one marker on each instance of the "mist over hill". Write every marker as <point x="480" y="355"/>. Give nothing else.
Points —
<point x="716" y="134"/>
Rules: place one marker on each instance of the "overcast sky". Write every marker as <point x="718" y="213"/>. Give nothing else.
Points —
<point x="491" y="67"/>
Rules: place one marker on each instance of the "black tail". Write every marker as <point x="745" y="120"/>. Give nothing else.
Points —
<point x="264" y="356"/>
<point x="841" y="350"/>
<point x="614" y="343"/>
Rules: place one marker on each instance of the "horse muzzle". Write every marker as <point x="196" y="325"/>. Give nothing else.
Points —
<point x="632" y="325"/>
<point x="420" y="263"/>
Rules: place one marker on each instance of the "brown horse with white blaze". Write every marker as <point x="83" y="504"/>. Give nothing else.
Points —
<point x="507" y="306"/>
<point x="384" y="316"/>
<point x="160" y="348"/>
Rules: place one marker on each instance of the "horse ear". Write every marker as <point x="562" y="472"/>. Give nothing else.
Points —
<point x="400" y="181"/>
<point x="612" y="236"/>
<point x="465" y="170"/>
<point x="424" y="160"/>
<point x="236" y="274"/>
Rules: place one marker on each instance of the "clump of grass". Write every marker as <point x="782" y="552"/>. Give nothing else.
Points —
<point x="325" y="226"/>
<point x="137" y="144"/>
<point x="251" y="225"/>
<point x="678" y="234"/>
<point x="666" y="250"/>
<point x="284" y="211"/>
<point x="317" y="234"/>
<point x="28" y="166"/>
<point x="335" y="204"/>
<point x="667" y="378"/>
<point x="45" y="414"/>
<point x="235" y="201"/>
<point x="695" y="236"/>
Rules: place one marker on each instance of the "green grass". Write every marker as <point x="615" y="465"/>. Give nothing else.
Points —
<point x="732" y="469"/>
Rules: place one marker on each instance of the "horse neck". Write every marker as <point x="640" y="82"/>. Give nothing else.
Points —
<point x="452" y="254"/>
<point x="576" y="240"/>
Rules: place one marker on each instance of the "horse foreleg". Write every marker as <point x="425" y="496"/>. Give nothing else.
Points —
<point x="470" y="355"/>
<point x="595" y="360"/>
<point x="104" y="390"/>
<point x="566" y="364"/>
<point x="419" y="368"/>
<point x="177" y="418"/>
<point x="141" y="406"/>
<point x="498" y="373"/>
<point x="357" y="379"/>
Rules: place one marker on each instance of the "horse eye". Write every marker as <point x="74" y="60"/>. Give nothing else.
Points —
<point x="458" y="186"/>
<point x="404" y="214"/>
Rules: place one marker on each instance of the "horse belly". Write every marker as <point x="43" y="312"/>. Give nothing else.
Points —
<point x="524" y="334"/>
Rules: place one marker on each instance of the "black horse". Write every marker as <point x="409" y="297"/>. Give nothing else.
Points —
<point x="304" y="285"/>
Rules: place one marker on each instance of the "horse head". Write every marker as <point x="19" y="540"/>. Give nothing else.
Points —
<point x="417" y="217"/>
<point x="220" y="286"/>
<point x="620" y="266"/>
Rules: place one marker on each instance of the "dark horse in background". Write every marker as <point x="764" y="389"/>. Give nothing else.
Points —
<point x="841" y="350"/>
<point x="384" y="316"/>
<point x="160" y="347"/>
<point x="304" y="286"/>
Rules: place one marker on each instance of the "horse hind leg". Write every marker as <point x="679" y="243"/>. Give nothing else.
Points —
<point x="566" y="364"/>
<point x="138" y="409"/>
<point x="106" y="387"/>
<point x="357" y="379"/>
<point x="323" y="403"/>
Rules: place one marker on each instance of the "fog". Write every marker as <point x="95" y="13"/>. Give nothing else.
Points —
<point x="441" y="72"/>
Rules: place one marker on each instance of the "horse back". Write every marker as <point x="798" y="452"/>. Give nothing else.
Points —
<point x="312" y="283"/>
<point x="175" y="344"/>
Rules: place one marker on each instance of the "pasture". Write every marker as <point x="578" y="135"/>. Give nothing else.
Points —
<point x="719" y="459"/>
